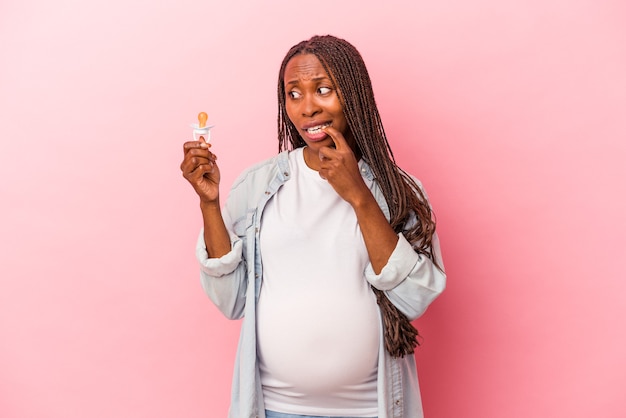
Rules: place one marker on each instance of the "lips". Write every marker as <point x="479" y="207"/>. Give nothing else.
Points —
<point x="313" y="130"/>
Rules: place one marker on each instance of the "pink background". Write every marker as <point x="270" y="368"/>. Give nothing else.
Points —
<point x="511" y="112"/>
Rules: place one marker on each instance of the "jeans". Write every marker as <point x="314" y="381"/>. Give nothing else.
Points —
<point x="273" y="414"/>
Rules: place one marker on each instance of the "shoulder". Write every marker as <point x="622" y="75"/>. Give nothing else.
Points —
<point x="262" y="172"/>
<point x="258" y="181"/>
<point x="409" y="179"/>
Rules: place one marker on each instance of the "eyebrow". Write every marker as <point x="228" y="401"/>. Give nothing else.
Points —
<point x="296" y="81"/>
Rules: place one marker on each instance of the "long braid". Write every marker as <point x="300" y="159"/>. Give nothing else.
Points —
<point x="404" y="197"/>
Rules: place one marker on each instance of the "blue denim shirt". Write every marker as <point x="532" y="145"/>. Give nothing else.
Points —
<point x="233" y="283"/>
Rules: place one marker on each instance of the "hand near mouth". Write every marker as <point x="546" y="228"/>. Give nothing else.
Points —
<point x="339" y="166"/>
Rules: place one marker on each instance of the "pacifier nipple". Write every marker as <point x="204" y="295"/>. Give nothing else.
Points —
<point x="202" y="118"/>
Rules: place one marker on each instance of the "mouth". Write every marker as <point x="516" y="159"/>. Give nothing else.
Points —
<point x="314" y="130"/>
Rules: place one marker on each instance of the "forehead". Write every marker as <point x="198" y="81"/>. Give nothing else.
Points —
<point x="304" y="67"/>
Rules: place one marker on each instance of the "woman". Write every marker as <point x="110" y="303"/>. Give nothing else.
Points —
<point x="327" y="251"/>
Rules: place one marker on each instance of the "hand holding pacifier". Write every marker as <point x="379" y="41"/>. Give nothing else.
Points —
<point x="199" y="163"/>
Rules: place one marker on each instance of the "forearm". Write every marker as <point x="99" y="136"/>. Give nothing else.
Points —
<point x="216" y="237"/>
<point x="380" y="239"/>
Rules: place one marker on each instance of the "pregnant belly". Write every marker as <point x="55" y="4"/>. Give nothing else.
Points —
<point x="318" y="344"/>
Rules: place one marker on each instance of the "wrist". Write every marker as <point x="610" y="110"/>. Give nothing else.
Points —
<point x="363" y="201"/>
<point x="208" y="205"/>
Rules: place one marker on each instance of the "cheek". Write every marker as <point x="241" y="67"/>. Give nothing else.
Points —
<point x="290" y="113"/>
<point x="337" y="109"/>
<point x="344" y="123"/>
<point x="341" y="117"/>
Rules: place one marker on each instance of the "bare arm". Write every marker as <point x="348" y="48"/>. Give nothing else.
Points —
<point x="216" y="236"/>
<point x="200" y="169"/>
<point x="380" y="239"/>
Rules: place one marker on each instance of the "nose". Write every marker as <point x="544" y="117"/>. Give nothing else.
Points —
<point x="310" y="106"/>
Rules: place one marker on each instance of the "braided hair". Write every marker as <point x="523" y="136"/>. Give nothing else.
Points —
<point x="405" y="198"/>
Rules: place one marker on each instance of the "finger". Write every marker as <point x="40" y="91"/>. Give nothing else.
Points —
<point x="195" y="158"/>
<point x="337" y="137"/>
<point x="199" y="151"/>
<point x="328" y="153"/>
<point x="196" y="172"/>
<point x="192" y="160"/>
<point x="194" y="145"/>
<point x="325" y="153"/>
<point x="203" y="169"/>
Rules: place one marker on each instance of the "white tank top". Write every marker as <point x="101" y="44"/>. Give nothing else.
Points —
<point x="318" y="328"/>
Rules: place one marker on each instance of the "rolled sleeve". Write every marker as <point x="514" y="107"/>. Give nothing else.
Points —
<point x="223" y="279"/>
<point x="217" y="267"/>
<point x="411" y="281"/>
<point x="402" y="260"/>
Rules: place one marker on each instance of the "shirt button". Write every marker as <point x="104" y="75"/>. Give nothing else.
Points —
<point x="286" y="174"/>
<point x="267" y="192"/>
<point x="397" y="401"/>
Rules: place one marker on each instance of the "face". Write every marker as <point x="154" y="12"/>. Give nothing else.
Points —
<point x="312" y="102"/>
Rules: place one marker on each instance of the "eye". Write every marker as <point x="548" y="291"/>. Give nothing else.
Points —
<point x="293" y="94"/>
<point x="324" y="90"/>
